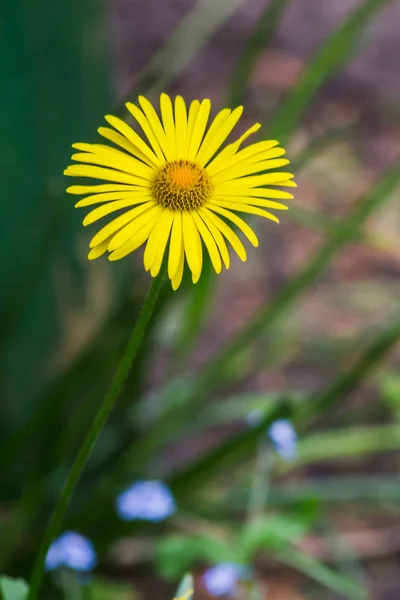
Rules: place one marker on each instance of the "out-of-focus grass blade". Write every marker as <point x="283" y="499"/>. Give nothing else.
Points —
<point x="318" y="145"/>
<point x="319" y="572"/>
<point x="343" y="555"/>
<point x="255" y="45"/>
<point x="183" y="45"/>
<point x="341" y="235"/>
<point x="193" y="316"/>
<point x="346" y="443"/>
<point x="344" y="384"/>
<point x="41" y="115"/>
<point x="227" y="453"/>
<point x="329" y="58"/>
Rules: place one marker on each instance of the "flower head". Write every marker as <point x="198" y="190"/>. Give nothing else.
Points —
<point x="71" y="550"/>
<point x="146" y="500"/>
<point x="222" y="579"/>
<point x="284" y="438"/>
<point x="174" y="189"/>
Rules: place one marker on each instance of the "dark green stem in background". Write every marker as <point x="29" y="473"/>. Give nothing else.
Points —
<point x="94" y="432"/>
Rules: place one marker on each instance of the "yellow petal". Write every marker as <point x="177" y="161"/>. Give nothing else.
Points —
<point x="225" y="159"/>
<point x="118" y="223"/>
<point x="134" y="138"/>
<point x="234" y="147"/>
<point x="209" y="242"/>
<point x="105" y="174"/>
<point x="275" y="178"/>
<point x="228" y="233"/>
<point x="135" y="225"/>
<point x="158" y="235"/>
<point x="192" y="243"/>
<point x="220" y="136"/>
<point x="180" y="127"/>
<point x="148" y="131"/>
<point x="165" y="230"/>
<point x="217" y="235"/>
<point x="246" y="229"/>
<point x="166" y="145"/>
<point x="109" y="196"/>
<point x="199" y="128"/>
<point x="121" y="141"/>
<point x="110" y="207"/>
<point x="79" y="190"/>
<point x="177" y="278"/>
<point x="115" y="159"/>
<point x="98" y="251"/>
<point x="195" y="278"/>
<point x="167" y="115"/>
<point x="215" y="126"/>
<point x="243" y="170"/>
<point x="242" y="203"/>
<point x="233" y="191"/>
<point x="176" y="245"/>
<point x="192" y="116"/>
<point x="134" y="242"/>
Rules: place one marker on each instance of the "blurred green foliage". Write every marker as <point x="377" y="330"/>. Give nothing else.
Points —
<point x="64" y="323"/>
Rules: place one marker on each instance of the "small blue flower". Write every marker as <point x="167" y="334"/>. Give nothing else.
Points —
<point x="284" y="438"/>
<point x="71" y="550"/>
<point x="223" y="578"/>
<point x="146" y="500"/>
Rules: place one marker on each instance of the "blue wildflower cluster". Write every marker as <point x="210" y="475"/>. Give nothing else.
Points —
<point x="71" y="550"/>
<point x="222" y="579"/>
<point x="146" y="500"/>
<point x="281" y="433"/>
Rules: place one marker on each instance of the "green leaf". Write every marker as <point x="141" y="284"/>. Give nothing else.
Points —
<point x="317" y="571"/>
<point x="13" y="589"/>
<point x="177" y="553"/>
<point x="101" y="589"/>
<point x="273" y="531"/>
<point x="330" y="57"/>
<point x="256" y="43"/>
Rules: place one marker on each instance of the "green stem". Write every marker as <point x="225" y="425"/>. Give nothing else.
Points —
<point x="94" y="432"/>
<point x="260" y="484"/>
<point x="70" y="585"/>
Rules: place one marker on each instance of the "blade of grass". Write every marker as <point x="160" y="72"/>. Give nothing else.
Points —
<point x="262" y="322"/>
<point x="332" y="55"/>
<point x="317" y="571"/>
<point x="380" y="346"/>
<point x="346" y="443"/>
<point x="228" y="452"/>
<point x="366" y="440"/>
<point x="256" y="43"/>
<point x="182" y="46"/>
<point x="192" y="318"/>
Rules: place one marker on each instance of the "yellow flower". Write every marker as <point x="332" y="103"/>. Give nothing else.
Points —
<point x="177" y="189"/>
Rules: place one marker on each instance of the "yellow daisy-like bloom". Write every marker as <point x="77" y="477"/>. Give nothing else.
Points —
<point x="177" y="190"/>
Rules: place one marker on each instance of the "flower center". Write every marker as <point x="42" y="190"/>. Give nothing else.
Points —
<point x="181" y="185"/>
